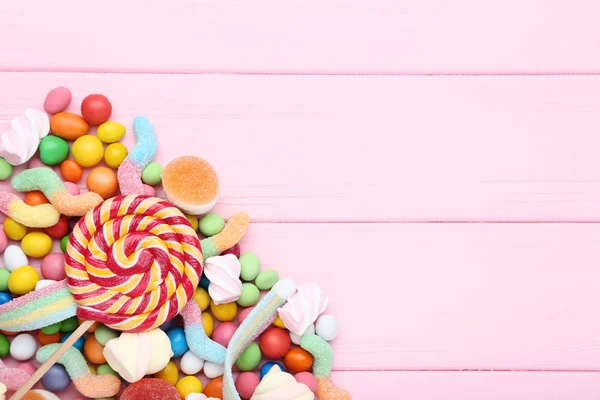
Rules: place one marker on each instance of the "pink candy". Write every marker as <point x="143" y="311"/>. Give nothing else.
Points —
<point x="57" y="100"/>
<point x="224" y="332"/>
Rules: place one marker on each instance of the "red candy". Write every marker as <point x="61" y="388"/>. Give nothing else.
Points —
<point x="96" y="109"/>
<point x="150" y="389"/>
<point x="60" y="229"/>
<point x="275" y="343"/>
<point x="235" y="250"/>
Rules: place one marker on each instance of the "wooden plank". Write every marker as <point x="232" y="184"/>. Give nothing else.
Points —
<point x="325" y="37"/>
<point x="364" y="148"/>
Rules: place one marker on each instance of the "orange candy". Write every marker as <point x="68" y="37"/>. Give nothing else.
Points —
<point x="214" y="388"/>
<point x="298" y="360"/>
<point x="103" y="181"/>
<point x="8" y="333"/>
<point x="48" y="339"/>
<point x="71" y="171"/>
<point x="35" y="198"/>
<point x="93" y="350"/>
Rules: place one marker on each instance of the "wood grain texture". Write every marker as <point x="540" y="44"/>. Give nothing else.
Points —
<point x="364" y="148"/>
<point x="298" y="36"/>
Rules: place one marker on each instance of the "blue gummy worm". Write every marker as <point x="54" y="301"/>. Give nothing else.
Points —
<point x="146" y="145"/>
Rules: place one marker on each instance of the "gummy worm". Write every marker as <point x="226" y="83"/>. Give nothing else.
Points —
<point x="13" y="378"/>
<point x="40" y="216"/>
<point x="261" y="316"/>
<point x="200" y="344"/>
<point x="322" y="353"/>
<point x="85" y="382"/>
<point x="54" y="189"/>
<point x="130" y="171"/>
<point x="232" y="233"/>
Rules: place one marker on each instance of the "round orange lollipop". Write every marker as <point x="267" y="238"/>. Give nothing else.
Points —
<point x="191" y="184"/>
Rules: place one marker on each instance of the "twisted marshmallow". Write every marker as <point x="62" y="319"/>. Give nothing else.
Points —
<point x="303" y="308"/>
<point x="223" y="272"/>
<point x="19" y="143"/>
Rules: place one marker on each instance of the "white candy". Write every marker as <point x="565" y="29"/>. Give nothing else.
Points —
<point x="296" y="338"/>
<point x="43" y="283"/>
<point x="212" y="370"/>
<point x="14" y="258"/>
<point x="191" y="364"/>
<point x="23" y="347"/>
<point x="327" y="327"/>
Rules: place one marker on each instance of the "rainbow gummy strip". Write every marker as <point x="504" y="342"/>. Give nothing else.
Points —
<point x="40" y="216"/>
<point x="200" y="344"/>
<point x="54" y="189"/>
<point x="37" y="309"/>
<point x="87" y="384"/>
<point x="263" y="315"/>
<point x="130" y="171"/>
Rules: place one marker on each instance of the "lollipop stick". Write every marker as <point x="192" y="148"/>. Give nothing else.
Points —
<point x="52" y="360"/>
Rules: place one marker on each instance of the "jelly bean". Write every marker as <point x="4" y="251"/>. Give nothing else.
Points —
<point x="56" y="379"/>
<point x="170" y="373"/>
<point x="326" y="327"/>
<point x="23" y="279"/>
<point x="250" y="295"/>
<point x="111" y="132"/>
<point x="266" y="279"/>
<point x="224" y="332"/>
<point x="13" y="229"/>
<point x="93" y="350"/>
<point x="202" y="298"/>
<point x="298" y="360"/>
<point x="103" y="334"/>
<point x="243" y="314"/>
<point x="275" y="343"/>
<point x="36" y="244"/>
<point x="96" y="109"/>
<point x="308" y="379"/>
<point x="190" y="363"/>
<point x="212" y="370"/>
<point x="57" y="100"/>
<point x="178" y="343"/>
<point x="71" y="171"/>
<point x="152" y="173"/>
<point x="211" y="224"/>
<point x="250" y="266"/>
<point x="48" y="339"/>
<point x="60" y="229"/>
<point x="103" y="181"/>
<point x="224" y="312"/>
<point x="68" y="126"/>
<point x="246" y="384"/>
<point x="69" y="324"/>
<point x="114" y="154"/>
<point x="193" y="220"/>
<point x="51" y="329"/>
<point x="23" y="347"/>
<point x="4" y="345"/>
<point x="208" y="323"/>
<point x="214" y="388"/>
<point x="34" y="198"/>
<point x="4" y="274"/>
<point x="72" y="188"/>
<point x="5" y="297"/>
<point x="6" y="169"/>
<point x="279" y="323"/>
<point x="267" y="367"/>
<point x="63" y="243"/>
<point x="79" y="343"/>
<point x="250" y="358"/>
<point x="88" y="151"/>
<point x="14" y="257"/>
<point x="105" y="369"/>
<point x="53" y="150"/>
<point x="187" y="385"/>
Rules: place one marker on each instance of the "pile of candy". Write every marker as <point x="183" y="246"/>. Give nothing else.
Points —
<point x="177" y="311"/>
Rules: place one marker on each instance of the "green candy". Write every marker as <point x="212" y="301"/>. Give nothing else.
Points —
<point x="250" y="358"/>
<point x="63" y="243"/>
<point x="4" y="274"/>
<point x="103" y="334"/>
<point x="53" y="150"/>
<point x="152" y="174"/>
<point x="69" y="324"/>
<point x="52" y="329"/>
<point x="211" y="224"/>
<point x="5" y="169"/>
<point x="250" y="266"/>
<point x="105" y="369"/>
<point x="266" y="279"/>
<point x="4" y="345"/>
<point x="250" y="295"/>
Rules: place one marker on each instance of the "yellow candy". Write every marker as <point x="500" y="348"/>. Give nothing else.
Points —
<point x="23" y="280"/>
<point x="110" y="132"/>
<point x="188" y="384"/>
<point x="36" y="244"/>
<point x="14" y="230"/>
<point x="279" y="323"/>
<point x="224" y="312"/>
<point x="202" y="298"/>
<point x="92" y="370"/>
<point x="193" y="220"/>
<point x="170" y="373"/>
<point x="87" y="151"/>
<point x="208" y="323"/>
<point x="115" y="154"/>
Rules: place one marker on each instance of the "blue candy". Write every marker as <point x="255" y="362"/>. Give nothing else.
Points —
<point x="267" y="367"/>
<point x="204" y="282"/>
<point x="4" y="298"/>
<point x="56" y="379"/>
<point x="178" y="343"/>
<point x="78" y="343"/>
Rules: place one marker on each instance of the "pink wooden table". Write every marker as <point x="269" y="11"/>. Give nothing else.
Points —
<point x="434" y="164"/>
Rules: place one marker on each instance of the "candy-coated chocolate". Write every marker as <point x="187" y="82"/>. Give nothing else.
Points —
<point x="250" y="295"/>
<point x="69" y="324"/>
<point x="57" y="100"/>
<point x="103" y="181"/>
<point x="152" y="174"/>
<point x="111" y="132"/>
<point x="214" y="388"/>
<point x="250" y="266"/>
<point x="250" y="358"/>
<point x="23" y="347"/>
<point x="114" y="154"/>
<point x="266" y="279"/>
<point x="202" y="298"/>
<point x="279" y="323"/>
<point x="246" y="383"/>
<point x="87" y="151"/>
<point x="193" y="220"/>
<point x="169" y="374"/>
<point x="48" y="339"/>
<point x="208" y="323"/>
<point x="267" y="367"/>
<point x="298" y="360"/>
<point x="6" y="169"/>
<point x="23" y="279"/>
<point x="159" y="389"/>
<point x="4" y="345"/>
<point x="60" y="229"/>
<point x="190" y="363"/>
<point x="224" y="332"/>
<point x="275" y="343"/>
<point x="4" y="274"/>
<point x="327" y="327"/>
<point x="14" y="257"/>
<point x="68" y="126"/>
<point x="36" y="244"/>
<point x="243" y="314"/>
<point x="53" y="150"/>
<point x="73" y="189"/>
<point x="5" y="297"/>
<point x="103" y="334"/>
<point x="79" y="343"/>
<point x="93" y="350"/>
<point x="178" y="343"/>
<point x="187" y="385"/>
<point x="51" y="329"/>
<point x="235" y="250"/>
<point x="308" y="379"/>
<point x="105" y="369"/>
<point x="56" y="379"/>
<point x="28" y="367"/>
<point x="213" y="370"/>
<point x="34" y="198"/>
<point x="63" y="243"/>
<point x="211" y="224"/>
<point x="13" y="229"/>
<point x="224" y="312"/>
<point x="71" y="171"/>
<point x="96" y="109"/>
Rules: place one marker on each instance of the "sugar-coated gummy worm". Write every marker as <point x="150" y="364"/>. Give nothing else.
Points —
<point x="54" y="189"/>
<point x="322" y="353"/>
<point x="130" y="171"/>
<point x="40" y="216"/>
<point x="85" y="382"/>
<point x="13" y="378"/>
<point x="261" y="316"/>
<point x="200" y="344"/>
<point x="230" y="235"/>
